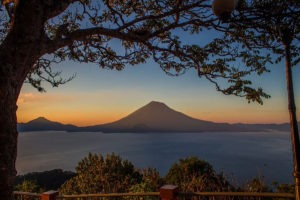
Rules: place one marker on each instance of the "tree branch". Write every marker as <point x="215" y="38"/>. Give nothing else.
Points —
<point x="52" y="8"/>
<point x="163" y="15"/>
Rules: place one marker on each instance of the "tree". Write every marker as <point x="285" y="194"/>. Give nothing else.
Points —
<point x="34" y="34"/>
<point x="284" y="188"/>
<point x="271" y="25"/>
<point x="49" y="180"/>
<point x="96" y="174"/>
<point x="257" y="185"/>
<point x="151" y="181"/>
<point x="29" y="186"/>
<point x="194" y="175"/>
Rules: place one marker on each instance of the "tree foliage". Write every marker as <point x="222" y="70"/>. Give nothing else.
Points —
<point x="257" y="184"/>
<point x="259" y="31"/>
<point x="151" y="181"/>
<point x="194" y="175"/>
<point x="97" y="174"/>
<point x="47" y="180"/>
<point x="266" y="25"/>
<point x="29" y="186"/>
<point x="284" y="188"/>
<point x="114" y="34"/>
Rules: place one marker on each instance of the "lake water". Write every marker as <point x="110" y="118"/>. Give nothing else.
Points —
<point x="241" y="156"/>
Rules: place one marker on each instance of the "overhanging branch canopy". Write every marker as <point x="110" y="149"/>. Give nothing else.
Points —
<point x="87" y="31"/>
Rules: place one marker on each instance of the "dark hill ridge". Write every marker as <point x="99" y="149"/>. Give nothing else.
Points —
<point x="43" y="124"/>
<point x="153" y="117"/>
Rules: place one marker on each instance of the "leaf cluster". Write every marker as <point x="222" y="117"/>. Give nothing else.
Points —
<point x="269" y="25"/>
<point x="112" y="174"/>
<point x="194" y="175"/>
<point x="46" y="180"/>
<point x="29" y="186"/>
<point x="96" y="174"/>
<point x="116" y="33"/>
<point x="42" y="71"/>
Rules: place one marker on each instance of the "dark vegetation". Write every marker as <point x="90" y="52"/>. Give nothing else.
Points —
<point x="47" y="180"/>
<point x="112" y="174"/>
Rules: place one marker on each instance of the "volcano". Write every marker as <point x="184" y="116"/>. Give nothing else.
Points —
<point x="158" y="117"/>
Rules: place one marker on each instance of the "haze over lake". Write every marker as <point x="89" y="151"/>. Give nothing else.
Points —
<point x="240" y="155"/>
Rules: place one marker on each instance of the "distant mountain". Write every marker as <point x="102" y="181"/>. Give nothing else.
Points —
<point x="153" y="117"/>
<point x="158" y="117"/>
<point x="43" y="124"/>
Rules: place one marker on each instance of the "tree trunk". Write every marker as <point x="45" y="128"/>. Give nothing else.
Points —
<point x="8" y="136"/>
<point x="15" y="63"/>
<point x="18" y="52"/>
<point x="293" y="121"/>
<point x="25" y="42"/>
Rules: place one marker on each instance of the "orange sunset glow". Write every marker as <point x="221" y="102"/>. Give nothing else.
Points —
<point x="102" y="96"/>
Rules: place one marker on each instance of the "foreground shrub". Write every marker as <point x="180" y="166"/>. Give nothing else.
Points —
<point x="96" y="174"/>
<point x="194" y="175"/>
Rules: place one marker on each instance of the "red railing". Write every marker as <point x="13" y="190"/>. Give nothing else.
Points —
<point x="167" y="192"/>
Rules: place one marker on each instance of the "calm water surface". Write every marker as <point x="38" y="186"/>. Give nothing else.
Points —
<point x="241" y="156"/>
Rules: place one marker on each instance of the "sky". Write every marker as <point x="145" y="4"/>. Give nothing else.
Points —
<point x="98" y="96"/>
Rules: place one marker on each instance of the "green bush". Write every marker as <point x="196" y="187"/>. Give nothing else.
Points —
<point x="96" y="174"/>
<point x="194" y="175"/>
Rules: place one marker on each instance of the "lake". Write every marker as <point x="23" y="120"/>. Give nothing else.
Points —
<point x="241" y="155"/>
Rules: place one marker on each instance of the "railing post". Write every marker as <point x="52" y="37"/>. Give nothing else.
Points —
<point x="49" y="195"/>
<point x="168" y="192"/>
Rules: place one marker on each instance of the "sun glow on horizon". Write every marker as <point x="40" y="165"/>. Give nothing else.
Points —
<point x="94" y="111"/>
